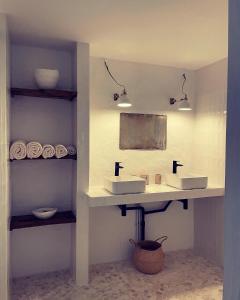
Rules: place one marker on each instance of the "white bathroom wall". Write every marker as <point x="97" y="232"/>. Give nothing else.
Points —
<point x="209" y="156"/>
<point x="149" y="88"/>
<point x="41" y="183"/>
<point x="4" y="164"/>
<point x="210" y="121"/>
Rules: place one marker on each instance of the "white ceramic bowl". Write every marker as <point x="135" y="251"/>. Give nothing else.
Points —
<point x="46" y="78"/>
<point x="44" y="213"/>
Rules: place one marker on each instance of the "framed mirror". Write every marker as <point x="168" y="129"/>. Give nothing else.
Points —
<point x="143" y="131"/>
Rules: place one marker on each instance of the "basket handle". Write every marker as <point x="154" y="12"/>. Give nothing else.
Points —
<point x="161" y="239"/>
<point x="133" y="242"/>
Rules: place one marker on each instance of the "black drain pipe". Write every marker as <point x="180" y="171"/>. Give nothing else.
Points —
<point x="124" y="208"/>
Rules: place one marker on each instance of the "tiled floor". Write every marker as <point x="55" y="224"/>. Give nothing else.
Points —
<point x="185" y="277"/>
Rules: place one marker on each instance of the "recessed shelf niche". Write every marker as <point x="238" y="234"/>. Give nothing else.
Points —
<point x="43" y="115"/>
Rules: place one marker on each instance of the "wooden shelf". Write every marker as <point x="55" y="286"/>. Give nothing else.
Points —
<point x="74" y="157"/>
<point x="56" y="94"/>
<point x="64" y="217"/>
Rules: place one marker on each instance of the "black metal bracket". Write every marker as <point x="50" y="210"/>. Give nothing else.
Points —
<point x="172" y="101"/>
<point x="116" y="96"/>
<point x="124" y="208"/>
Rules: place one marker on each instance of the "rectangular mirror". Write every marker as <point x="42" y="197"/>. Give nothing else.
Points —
<point x="143" y="131"/>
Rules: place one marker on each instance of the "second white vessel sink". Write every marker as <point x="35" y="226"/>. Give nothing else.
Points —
<point x="187" y="182"/>
<point x="125" y="184"/>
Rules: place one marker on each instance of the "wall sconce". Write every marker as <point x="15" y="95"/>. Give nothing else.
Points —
<point x="183" y="103"/>
<point x="122" y="99"/>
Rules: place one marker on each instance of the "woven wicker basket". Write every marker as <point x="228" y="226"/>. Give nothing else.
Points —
<point x="148" y="256"/>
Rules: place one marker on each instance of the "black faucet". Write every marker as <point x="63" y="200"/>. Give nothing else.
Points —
<point x="117" y="168"/>
<point x="175" y="165"/>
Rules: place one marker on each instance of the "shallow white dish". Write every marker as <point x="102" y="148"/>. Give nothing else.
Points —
<point x="44" y="212"/>
<point x="46" y="78"/>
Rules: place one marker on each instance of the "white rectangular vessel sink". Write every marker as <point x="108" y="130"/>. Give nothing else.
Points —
<point x="124" y="184"/>
<point x="187" y="182"/>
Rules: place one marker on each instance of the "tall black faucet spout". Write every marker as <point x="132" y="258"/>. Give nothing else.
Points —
<point x="117" y="168"/>
<point x="175" y="166"/>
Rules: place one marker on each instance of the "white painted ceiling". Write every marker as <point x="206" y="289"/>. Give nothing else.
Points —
<point x="182" y="33"/>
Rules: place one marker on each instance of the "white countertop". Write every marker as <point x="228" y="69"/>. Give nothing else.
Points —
<point x="98" y="196"/>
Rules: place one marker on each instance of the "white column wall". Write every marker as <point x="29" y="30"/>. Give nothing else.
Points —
<point x="82" y="226"/>
<point x="209" y="157"/>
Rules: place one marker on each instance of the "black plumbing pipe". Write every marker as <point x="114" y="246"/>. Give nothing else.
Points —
<point x="124" y="208"/>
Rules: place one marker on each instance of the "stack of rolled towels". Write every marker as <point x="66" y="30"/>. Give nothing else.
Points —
<point x="20" y="150"/>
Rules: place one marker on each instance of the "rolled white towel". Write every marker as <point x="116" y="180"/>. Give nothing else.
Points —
<point x="34" y="150"/>
<point x="71" y="150"/>
<point x="48" y="151"/>
<point x="61" y="151"/>
<point x="18" y="150"/>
